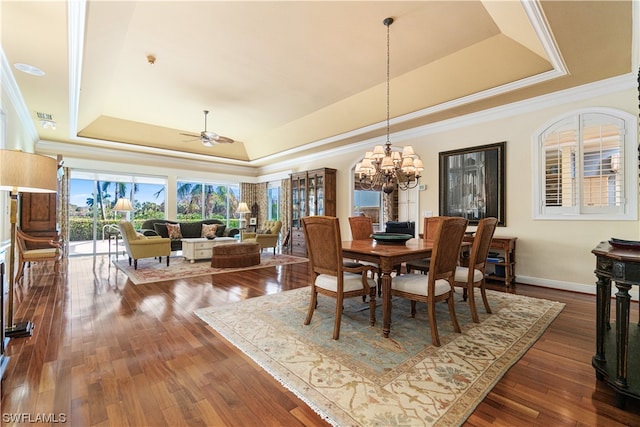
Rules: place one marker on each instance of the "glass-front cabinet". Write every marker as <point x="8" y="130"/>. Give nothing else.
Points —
<point x="312" y="193"/>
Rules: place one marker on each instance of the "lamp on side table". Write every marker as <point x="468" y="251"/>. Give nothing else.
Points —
<point x="242" y="210"/>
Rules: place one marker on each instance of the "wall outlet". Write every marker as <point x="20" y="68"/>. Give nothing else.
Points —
<point x="427" y="214"/>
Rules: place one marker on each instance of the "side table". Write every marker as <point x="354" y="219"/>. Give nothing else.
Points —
<point x="623" y="267"/>
<point x="111" y="231"/>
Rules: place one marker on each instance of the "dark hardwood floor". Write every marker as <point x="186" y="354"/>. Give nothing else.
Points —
<point x="108" y="353"/>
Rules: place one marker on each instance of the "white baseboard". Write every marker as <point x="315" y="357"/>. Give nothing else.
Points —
<point x="572" y="287"/>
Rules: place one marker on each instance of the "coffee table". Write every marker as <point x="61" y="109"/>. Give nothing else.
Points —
<point x="200" y="248"/>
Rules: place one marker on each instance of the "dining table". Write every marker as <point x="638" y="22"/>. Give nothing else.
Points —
<point x="386" y="256"/>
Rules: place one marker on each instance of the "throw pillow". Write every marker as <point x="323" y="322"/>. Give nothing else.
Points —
<point x="161" y="229"/>
<point x="265" y="231"/>
<point x="174" y="231"/>
<point x="209" y="230"/>
<point x="220" y="230"/>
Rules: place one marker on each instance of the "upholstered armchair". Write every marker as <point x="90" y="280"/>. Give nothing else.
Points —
<point x="140" y="246"/>
<point x="267" y="235"/>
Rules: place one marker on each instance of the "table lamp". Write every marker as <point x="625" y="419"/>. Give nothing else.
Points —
<point x="123" y="205"/>
<point x="23" y="172"/>
<point x="242" y="210"/>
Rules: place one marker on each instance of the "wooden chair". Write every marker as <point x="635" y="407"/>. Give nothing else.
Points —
<point x="430" y="225"/>
<point x="438" y="284"/>
<point x="473" y="276"/>
<point x="25" y="255"/>
<point x="361" y="229"/>
<point x="329" y="276"/>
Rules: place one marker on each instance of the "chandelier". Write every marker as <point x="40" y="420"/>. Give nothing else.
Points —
<point x="385" y="167"/>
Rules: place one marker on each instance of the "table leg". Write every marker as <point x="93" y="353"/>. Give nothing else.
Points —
<point x="623" y="300"/>
<point x="386" y="268"/>
<point x="601" y="313"/>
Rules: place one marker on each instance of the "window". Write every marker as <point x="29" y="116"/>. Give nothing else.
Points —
<point x="580" y="162"/>
<point x="368" y="203"/>
<point x="273" y="201"/>
<point x="198" y="200"/>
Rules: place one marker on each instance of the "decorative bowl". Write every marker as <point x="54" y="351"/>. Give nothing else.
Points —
<point x="391" y="238"/>
<point x="211" y="237"/>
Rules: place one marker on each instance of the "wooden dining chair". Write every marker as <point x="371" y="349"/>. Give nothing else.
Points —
<point x="329" y="276"/>
<point x="437" y="285"/>
<point x="472" y="277"/>
<point x="361" y="229"/>
<point x="430" y="224"/>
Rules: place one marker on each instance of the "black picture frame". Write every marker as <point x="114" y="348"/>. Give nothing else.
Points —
<point x="472" y="183"/>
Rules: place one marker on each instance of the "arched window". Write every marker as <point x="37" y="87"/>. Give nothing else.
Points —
<point x="585" y="167"/>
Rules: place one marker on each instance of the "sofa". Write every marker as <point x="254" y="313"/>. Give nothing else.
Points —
<point x="267" y="235"/>
<point x="190" y="229"/>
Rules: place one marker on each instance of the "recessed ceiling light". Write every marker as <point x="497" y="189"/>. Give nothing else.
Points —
<point x="29" y="69"/>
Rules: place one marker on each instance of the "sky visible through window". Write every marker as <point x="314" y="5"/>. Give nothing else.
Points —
<point x="81" y="190"/>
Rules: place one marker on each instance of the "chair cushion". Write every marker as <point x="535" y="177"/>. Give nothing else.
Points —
<point x="209" y="230"/>
<point x="39" y="254"/>
<point x="174" y="231"/>
<point x="463" y="272"/>
<point x="420" y="264"/>
<point x="417" y="284"/>
<point x="352" y="282"/>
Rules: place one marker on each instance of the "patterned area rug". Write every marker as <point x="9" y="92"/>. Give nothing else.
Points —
<point x="150" y="270"/>
<point x="364" y="379"/>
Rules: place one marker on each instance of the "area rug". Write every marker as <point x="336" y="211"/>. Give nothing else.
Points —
<point x="364" y="379"/>
<point x="150" y="270"/>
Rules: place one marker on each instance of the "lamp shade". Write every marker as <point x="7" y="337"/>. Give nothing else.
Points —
<point x="28" y="172"/>
<point x="123" y="205"/>
<point x="243" y="208"/>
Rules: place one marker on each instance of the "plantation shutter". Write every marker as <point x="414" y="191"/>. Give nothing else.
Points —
<point x="583" y="164"/>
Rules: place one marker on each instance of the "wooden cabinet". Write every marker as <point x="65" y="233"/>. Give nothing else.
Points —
<point x="38" y="216"/>
<point x="312" y="193"/>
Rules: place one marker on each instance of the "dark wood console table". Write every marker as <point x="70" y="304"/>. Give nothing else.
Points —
<point x="623" y="267"/>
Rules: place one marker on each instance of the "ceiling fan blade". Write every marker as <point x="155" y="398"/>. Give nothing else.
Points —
<point x="191" y="135"/>
<point x="223" y="139"/>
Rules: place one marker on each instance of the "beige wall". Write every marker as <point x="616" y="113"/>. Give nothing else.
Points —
<point x="549" y="253"/>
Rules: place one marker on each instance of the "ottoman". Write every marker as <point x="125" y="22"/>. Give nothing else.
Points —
<point x="235" y="255"/>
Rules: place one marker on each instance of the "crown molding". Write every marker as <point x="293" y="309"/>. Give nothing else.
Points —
<point x="10" y="88"/>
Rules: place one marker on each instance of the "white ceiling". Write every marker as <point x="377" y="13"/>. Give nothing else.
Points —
<point x="302" y="75"/>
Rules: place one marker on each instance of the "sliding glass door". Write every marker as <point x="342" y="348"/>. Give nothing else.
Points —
<point x="92" y="207"/>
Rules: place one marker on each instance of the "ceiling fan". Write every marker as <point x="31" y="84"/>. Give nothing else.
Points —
<point x="209" y="138"/>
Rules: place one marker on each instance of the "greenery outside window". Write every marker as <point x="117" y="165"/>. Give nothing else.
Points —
<point x="273" y="201"/>
<point x="585" y="167"/>
<point x="198" y="200"/>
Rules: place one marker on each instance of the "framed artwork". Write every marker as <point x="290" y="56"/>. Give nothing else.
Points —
<point x="472" y="183"/>
<point x="253" y="221"/>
